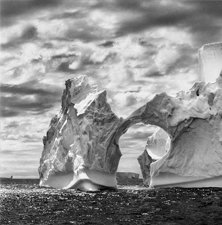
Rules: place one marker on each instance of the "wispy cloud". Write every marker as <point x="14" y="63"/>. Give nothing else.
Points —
<point x="27" y="98"/>
<point x="29" y="34"/>
<point x="12" y="10"/>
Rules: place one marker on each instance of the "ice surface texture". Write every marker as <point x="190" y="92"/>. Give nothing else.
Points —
<point x="210" y="61"/>
<point x="81" y="147"/>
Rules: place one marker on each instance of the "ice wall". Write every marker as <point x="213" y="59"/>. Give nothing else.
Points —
<point x="210" y="61"/>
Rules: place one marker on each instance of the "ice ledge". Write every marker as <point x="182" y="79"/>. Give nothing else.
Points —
<point x="84" y="180"/>
<point x="174" y="180"/>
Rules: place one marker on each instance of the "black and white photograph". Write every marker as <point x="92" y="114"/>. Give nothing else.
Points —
<point x="111" y="112"/>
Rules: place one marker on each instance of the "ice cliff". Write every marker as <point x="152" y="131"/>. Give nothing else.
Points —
<point x="210" y="61"/>
<point x="81" y="147"/>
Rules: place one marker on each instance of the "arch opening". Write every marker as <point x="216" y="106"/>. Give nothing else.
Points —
<point x="141" y="145"/>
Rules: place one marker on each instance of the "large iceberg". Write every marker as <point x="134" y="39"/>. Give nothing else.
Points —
<point x="81" y="147"/>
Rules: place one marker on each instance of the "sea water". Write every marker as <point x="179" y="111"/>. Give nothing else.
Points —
<point x="24" y="202"/>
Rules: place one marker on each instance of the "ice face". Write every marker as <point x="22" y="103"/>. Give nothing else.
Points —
<point x="210" y="62"/>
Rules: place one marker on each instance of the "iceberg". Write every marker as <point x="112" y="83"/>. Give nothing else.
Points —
<point x="81" y="147"/>
<point x="75" y="147"/>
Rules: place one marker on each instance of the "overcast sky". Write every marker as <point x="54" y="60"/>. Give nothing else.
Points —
<point x="132" y="48"/>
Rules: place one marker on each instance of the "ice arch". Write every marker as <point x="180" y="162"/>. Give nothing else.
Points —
<point x="81" y="148"/>
<point x="82" y="143"/>
<point x="193" y="157"/>
<point x="151" y="114"/>
<point x="141" y="145"/>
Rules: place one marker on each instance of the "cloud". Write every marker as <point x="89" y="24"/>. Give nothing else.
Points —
<point x="144" y="16"/>
<point x="107" y="44"/>
<point x="24" y="89"/>
<point x="26" y="98"/>
<point x="88" y="34"/>
<point x="13" y="9"/>
<point x="21" y="35"/>
<point x="138" y="133"/>
<point x="5" y="112"/>
<point x="13" y="124"/>
<point x="173" y="57"/>
<point x="31" y="138"/>
<point x="153" y="73"/>
<point x="19" y="163"/>
<point x="18" y="104"/>
<point x="29" y="33"/>
<point x="201" y="18"/>
<point x="73" y="14"/>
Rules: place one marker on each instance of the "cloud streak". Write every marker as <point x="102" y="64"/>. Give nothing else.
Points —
<point x="12" y="9"/>
<point x="23" y="99"/>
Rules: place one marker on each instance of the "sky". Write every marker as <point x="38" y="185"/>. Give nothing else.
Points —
<point x="133" y="48"/>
